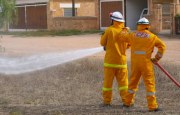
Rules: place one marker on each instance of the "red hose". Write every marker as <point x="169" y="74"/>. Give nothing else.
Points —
<point x="176" y="82"/>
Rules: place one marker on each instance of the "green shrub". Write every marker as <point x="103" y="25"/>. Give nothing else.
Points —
<point x="177" y="15"/>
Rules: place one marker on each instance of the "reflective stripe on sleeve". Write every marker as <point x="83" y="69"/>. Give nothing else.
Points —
<point x="123" y="88"/>
<point x="131" y="91"/>
<point x="150" y="93"/>
<point x="115" y="65"/>
<point x="106" y="89"/>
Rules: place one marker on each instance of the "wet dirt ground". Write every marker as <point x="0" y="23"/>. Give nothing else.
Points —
<point x="26" y="46"/>
<point x="48" y="82"/>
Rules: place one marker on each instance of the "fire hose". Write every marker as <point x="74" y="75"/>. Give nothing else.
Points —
<point x="176" y="82"/>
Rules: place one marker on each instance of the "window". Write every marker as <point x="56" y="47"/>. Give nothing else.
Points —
<point x="166" y="9"/>
<point x="68" y="12"/>
<point x="68" y="9"/>
<point x="144" y="12"/>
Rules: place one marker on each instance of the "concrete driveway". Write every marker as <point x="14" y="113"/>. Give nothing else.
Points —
<point x="21" y="46"/>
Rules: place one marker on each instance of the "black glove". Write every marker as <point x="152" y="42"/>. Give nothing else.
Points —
<point x="154" y="60"/>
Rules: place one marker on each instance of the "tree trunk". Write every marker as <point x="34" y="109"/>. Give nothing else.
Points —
<point x="6" y="26"/>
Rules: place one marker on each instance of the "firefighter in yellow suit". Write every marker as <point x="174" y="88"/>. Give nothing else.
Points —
<point x="142" y="44"/>
<point x="115" y="64"/>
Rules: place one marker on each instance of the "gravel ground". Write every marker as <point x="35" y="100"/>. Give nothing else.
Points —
<point x="63" y="89"/>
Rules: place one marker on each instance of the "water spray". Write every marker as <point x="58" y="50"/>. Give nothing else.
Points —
<point x="38" y="62"/>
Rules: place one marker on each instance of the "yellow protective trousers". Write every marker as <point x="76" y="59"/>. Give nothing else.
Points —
<point x="142" y="66"/>
<point x="121" y="75"/>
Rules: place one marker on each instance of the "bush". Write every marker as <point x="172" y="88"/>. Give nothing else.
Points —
<point x="177" y="15"/>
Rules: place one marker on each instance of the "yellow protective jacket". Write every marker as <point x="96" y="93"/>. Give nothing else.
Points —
<point x="143" y="42"/>
<point x="115" y="51"/>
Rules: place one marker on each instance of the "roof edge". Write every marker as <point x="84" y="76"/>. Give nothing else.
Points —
<point x="20" y="2"/>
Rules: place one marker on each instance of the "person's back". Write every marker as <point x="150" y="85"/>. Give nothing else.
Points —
<point x="115" y="51"/>
<point x="143" y="42"/>
<point x="115" y="64"/>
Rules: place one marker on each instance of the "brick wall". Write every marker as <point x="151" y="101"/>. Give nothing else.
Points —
<point x="87" y="7"/>
<point x="71" y="23"/>
<point x="177" y="8"/>
<point x="87" y="17"/>
<point x="162" y="1"/>
<point x="166" y="20"/>
<point x="155" y="18"/>
<point x="159" y="20"/>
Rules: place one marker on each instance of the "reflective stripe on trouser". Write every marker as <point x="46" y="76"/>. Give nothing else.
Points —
<point x="129" y="99"/>
<point x="151" y="99"/>
<point x="122" y="79"/>
<point x="121" y="88"/>
<point x="123" y="92"/>
<point x="115" y="65"/>
<point x="107" y="94"/>
<point x="152" y="104"/>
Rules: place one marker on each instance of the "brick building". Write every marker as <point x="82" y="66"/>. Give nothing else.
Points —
<point x="32" y="14"/>
<point x="86" y="15"/>
<point x="93" y="14"/>
<point x="162" y="13"/>
<point x="56" y="15"/>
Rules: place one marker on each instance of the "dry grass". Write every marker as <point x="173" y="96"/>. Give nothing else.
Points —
<point x="49" y="33"/>
<point x="75" y="88"/>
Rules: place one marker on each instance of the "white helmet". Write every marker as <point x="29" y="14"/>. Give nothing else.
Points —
<point x="143" y="21"/>
<point x="117" y="16"/>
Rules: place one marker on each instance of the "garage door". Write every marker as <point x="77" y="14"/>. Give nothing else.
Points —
<point x="19" y="22"/>
<point x="106" y="8"/>
<point x="36" y="17"/>
<point x="31" y="17"/>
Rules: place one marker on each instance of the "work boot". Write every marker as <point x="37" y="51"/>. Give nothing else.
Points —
<point x="105" y="105"/>
<point x="128" y="106"/>
<point x="155" y="110"/>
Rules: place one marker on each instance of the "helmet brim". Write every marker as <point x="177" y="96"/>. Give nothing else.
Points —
<point x="144" y="23"/>
<point x="119" y="20"/>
